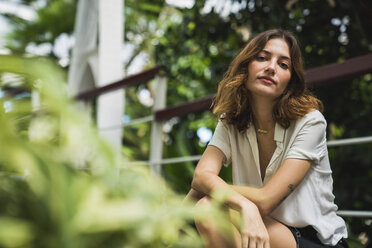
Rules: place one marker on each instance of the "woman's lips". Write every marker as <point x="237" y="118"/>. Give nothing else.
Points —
<point x="267" y="80"/>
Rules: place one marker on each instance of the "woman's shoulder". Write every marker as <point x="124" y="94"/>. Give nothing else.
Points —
<point x="223" y="123"/>
<point x="314" y="116"/>
<point x="227" y="127"/>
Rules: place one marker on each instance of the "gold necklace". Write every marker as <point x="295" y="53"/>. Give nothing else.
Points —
<point x="263" y="131"/>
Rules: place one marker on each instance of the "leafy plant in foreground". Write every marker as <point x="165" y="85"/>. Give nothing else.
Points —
<point x="64" y="186"/>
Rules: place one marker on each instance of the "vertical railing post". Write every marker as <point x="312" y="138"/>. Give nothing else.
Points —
<point x="156" y="143"/>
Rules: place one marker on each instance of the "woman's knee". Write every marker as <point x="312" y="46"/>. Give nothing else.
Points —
<point x="204" y="202"/>
<point x="204" y="225"/>
<point x="193" y="196"/>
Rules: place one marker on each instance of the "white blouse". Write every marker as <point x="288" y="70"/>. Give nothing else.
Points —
<point x="312" y="201"/>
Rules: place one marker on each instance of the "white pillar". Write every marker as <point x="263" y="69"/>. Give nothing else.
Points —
<point x="110" y="106"/>
<point x="82" y="75"/>
<point x="156" y="145"/>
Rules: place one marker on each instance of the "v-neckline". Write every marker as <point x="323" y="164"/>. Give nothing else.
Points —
<point x="279" y="132"/>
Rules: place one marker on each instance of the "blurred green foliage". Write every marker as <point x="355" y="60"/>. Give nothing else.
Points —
<point x="196" y="45"/>
<point x="63" y="186"/>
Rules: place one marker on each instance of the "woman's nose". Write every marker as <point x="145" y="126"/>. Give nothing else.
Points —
<point x="270" y="68"/>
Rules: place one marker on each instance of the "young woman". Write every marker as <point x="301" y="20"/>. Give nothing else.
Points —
<point x="271" y="130"/>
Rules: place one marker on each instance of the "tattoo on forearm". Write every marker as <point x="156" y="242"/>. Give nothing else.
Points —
<point x="291" y="187"/>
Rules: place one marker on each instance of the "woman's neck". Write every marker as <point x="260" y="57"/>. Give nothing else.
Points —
<point x="263" y="115"/>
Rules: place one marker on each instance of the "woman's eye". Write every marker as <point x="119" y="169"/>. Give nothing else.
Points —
<point x="284" y="65"/>
<point x="260" y="58"/>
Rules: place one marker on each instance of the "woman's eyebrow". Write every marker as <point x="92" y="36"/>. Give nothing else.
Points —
<point x="282" y="56"/>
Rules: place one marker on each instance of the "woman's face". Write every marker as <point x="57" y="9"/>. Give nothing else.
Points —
<point x="270" y="71"/>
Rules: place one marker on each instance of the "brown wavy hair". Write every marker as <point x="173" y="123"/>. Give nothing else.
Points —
<point x="232" y="101"/>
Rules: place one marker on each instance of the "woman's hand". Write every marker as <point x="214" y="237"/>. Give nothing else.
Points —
<point x="253" y="231"/>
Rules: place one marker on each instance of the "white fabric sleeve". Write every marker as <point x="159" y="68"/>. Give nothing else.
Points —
<point x="310" y="142"/>
<point x="221" y="140"/>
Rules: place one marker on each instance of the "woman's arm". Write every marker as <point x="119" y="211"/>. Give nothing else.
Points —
<point x="207" y="181"/>
<point x="284" y="181"/>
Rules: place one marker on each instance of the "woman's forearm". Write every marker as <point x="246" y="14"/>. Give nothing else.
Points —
<point x="256" y="195"/>
<point x="209" y="184"/>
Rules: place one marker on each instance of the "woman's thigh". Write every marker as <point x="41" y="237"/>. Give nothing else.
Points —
<point x="280" y="235"/>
